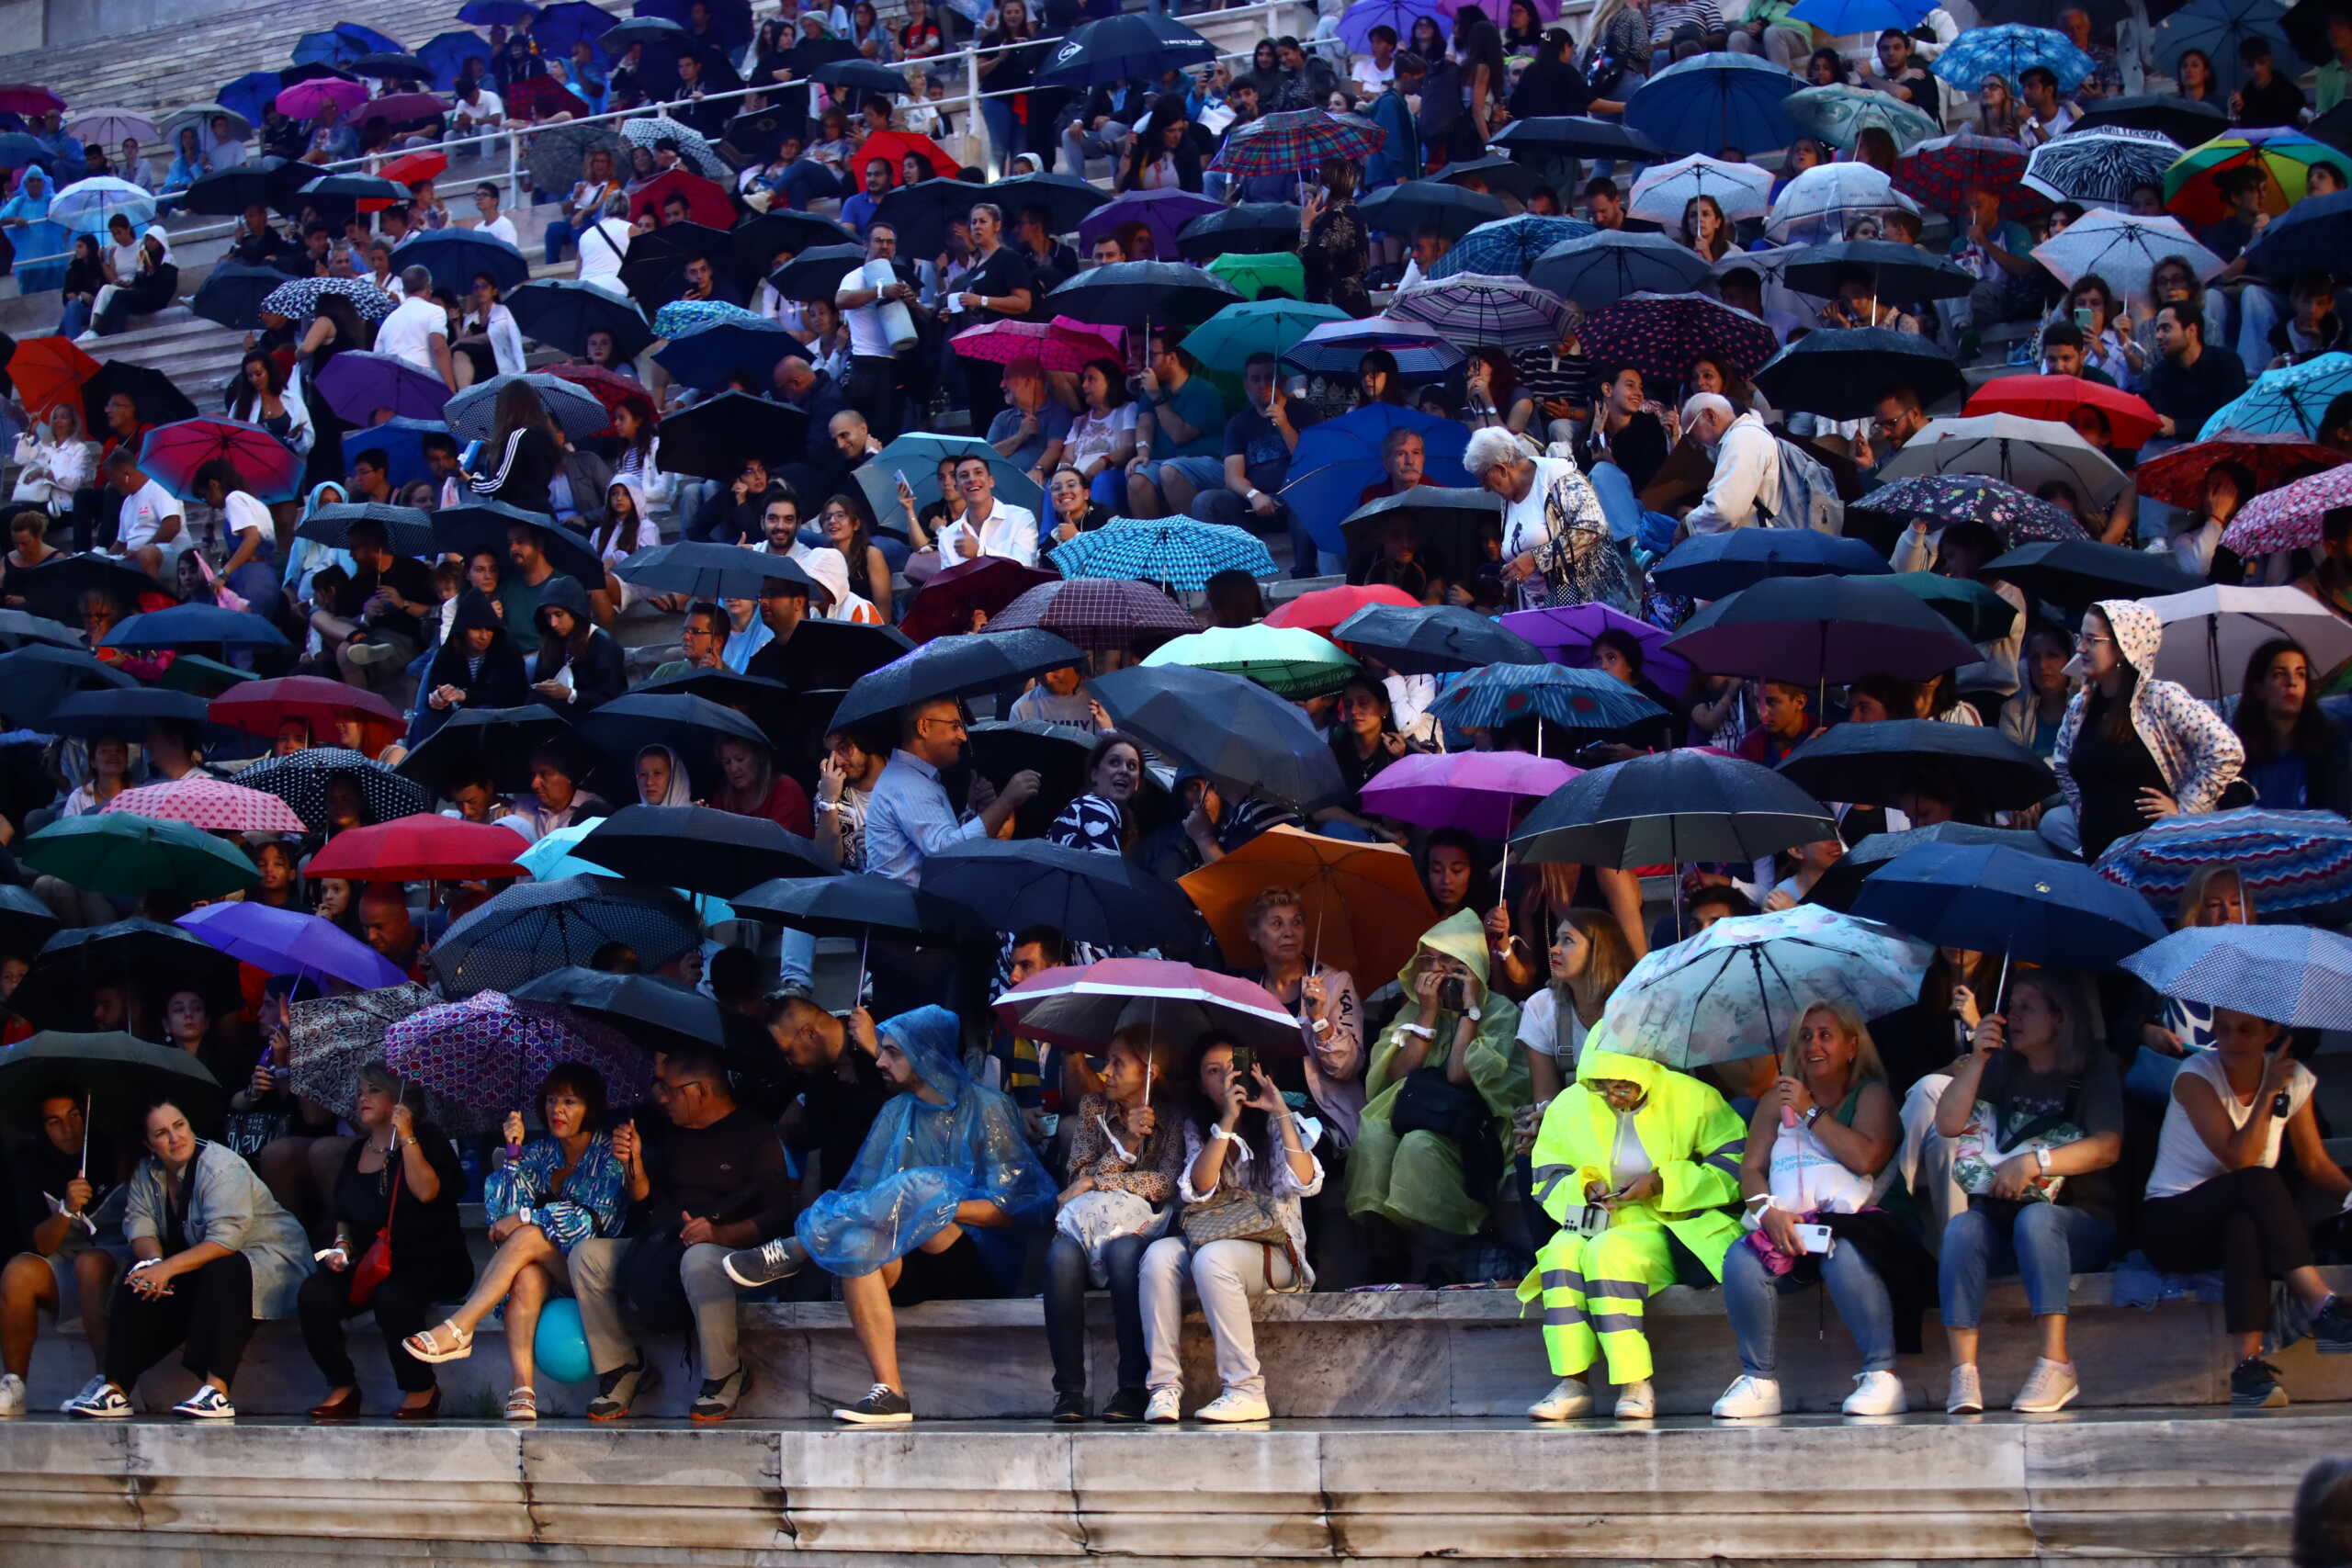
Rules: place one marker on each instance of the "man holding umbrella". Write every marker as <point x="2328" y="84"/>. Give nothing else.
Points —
<point x="1259" y="443"/>
<point x="910" y="816"/>
<point x="66" y="1268"/>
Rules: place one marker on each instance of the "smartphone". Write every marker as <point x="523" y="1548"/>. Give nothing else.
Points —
<point x="1244" y="1059"/>
<point x="900" y="475"/>
<point x="2083" y="317"/>
<point x="1452" y="994"/>
<point x="1817" y="1240"/>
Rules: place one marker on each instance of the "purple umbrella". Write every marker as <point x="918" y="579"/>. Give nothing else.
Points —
<point x="1161" y="211"/>
<point x="357" y="384"/>
<point x="286" y="942"/>
<point x="481" y="1057"/>
<point x="1479" y="792"/>
<point x="1565" y="634"/>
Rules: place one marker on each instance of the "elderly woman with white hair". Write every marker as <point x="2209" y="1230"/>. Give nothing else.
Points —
<point x="1556" y="545"/>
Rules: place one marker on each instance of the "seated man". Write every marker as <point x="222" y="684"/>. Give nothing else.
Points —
<point x="374" y="626"/>
<point x="945" y="1155"/>
<point x="1180" y="433"/>
<point x="1258" y="442"/>
<point x="151" y="525"/>
<point x="72" y="1229"/>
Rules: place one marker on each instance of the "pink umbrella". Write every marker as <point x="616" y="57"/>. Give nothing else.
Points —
<point x="304" y="100"/>
<point x="214" y="804"/>
<point x="1478" y="791"/>
<point x="1565" y="634"/>
<point x="1085" y="1006"/>
<point x="2288" y="518"/>
<point x="479" y="1058"/>
<point x="173" y="454"/>
<point x="1061" y="344"/>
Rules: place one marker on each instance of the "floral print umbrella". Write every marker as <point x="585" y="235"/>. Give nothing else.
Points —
<point x="2288" y="518"/>
<point x="483" y="1057"/>
<point x="1939" y="173"/>
<point x="2018" y="518"/>
<point x="332" y="1038"/>
<point x="2177" y="477"/>
<point x="1662" y="334"/>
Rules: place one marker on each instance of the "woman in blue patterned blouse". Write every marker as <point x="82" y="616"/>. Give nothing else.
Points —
<point x="545" y="1198"/>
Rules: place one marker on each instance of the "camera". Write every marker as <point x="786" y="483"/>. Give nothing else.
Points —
<point x="1452" y="994"/>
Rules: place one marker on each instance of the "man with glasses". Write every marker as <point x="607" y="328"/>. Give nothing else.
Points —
<point x="910" y="816"/>
<point x="1897" y="418"/>
<point x="702" y="642"/>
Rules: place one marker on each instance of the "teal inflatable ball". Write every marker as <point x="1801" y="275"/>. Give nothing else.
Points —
<point x="561" y="1347"/>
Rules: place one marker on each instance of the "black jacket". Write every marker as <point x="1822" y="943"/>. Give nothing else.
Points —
<point x="499" y="684"/>
<point x="598" y="675"/>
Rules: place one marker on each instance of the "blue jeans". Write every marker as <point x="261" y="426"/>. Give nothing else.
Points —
<point x="75" y="320"/>
<point x="1004" y="132"/>
<point x="806" y="181"/>
<point x="2045" y="1247"/>
<point x="559" y="234"/>
<point x="1752" y="1298"/>
<point x="1109" y="487"/>
<point x="1066" y="1283"/>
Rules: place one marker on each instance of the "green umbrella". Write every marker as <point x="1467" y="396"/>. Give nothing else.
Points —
<point x="1839" y="115"/>
<point x="918" y="457"/>
<point x="205" y="677"/>
<point x="115" y="852"/>
<point x="1227" y="339"/>
<point x="1981" y="615"/>
<point x="1289" y="662"/>
<point x="1254" y="272"/>
<point x="115" y="1071"/>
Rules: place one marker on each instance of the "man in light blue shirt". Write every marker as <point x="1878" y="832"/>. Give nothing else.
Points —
<point x="910" y="816"/>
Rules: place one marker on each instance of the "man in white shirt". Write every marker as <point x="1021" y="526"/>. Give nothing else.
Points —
<point x="417" y="332"/>
<point x="2048" y="116"/>
<point x="602" y="246"/>
<point x="152" y="525"/>
<point x="491" y="222"/>
<point x="780" y="522"/>
<point x="1747" y="466"/>
<point x="873" y="382"/>
<point x="988" y="527"/>
<point x="1374" y="72"/>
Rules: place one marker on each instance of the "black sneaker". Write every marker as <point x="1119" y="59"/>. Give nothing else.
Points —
<point x="1126" y="1407"/>
<point x="882" y="1406"/>
<point x="1069" y="1409"/>
<point x="2331" y="1328"/>
<point x="2255" y="1385"/>
<point x="753" y="1267"/>
<point x="717" y="1400"/>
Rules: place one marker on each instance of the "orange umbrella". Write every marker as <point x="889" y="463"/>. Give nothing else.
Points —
<point x="894" y="145"/>
<point x="1364" y="904"/>
<point x="49" y="371"/>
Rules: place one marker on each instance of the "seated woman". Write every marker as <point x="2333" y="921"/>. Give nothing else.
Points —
<point x="2035" y="1118"/>
<point x="211" y="1253"/>
<point x="2215" y="1199"/>
<point x="661" y="778"/>
<point x="1122" y="1166"/>
<point x="544" y="1199"/>
<point x="476" y="665"/>
<point x="1818" y="1153"/>
<point x="750" y="786"/>
<point x="150" y="289"/>
<point x="1327" y="1078"/>
<point x="1245" y="1170"/>
<point x="577" y="666"/>
<point x="1637" y="1163"/>
<point x="2173" y="1029"/>
<point x="2296" y="757"/>
<point x="398" y="1189"/>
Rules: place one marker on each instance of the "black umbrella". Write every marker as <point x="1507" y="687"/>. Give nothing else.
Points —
<point x="1571" y="136"/>
<point x="338" y="196"/>
<point x="758" y="236"/>
<point x="1411" y="206"/>
<point x="2186" y="122"/>
<point x="153" y="959"/>
<point x="1895" y="271"/>
<point x="562" y="312"/>
<point x="707" y="571"/>
<point x="920" y="213"/>
<point x="533" y="927"/>
<point x="1842" y="373"/>
<point x="36" y="678"/>
<point x="700" y="850"/>
<point x="997" y="749"/>
<point x="1445" y="524"/>
<point x="691" y="727"/>
<point x="1252" y="228"/>
<point x="768" y="704"/>
<point x="863" y="76"/>
<point x="1842" y="882"/>
<point x="2305" y="24"/>
<point x="231" y="294"/>
<point x="483" y="525"/>
<point x="1809" y="630"/>
<point x="711" y="439"/>
<point x="20" y="629"/>
<point x="1085" y="895"/>
<point x="300" y="780"/>
<point x="654" y="32"/>
<point x="125" y="713"/>
<point x="408" y="528"/>
<point x="1143" y="293"/>
<point x="1248" y="740"/>
<point x="654" y="267"/>
<point x="955" y="667"/>
<point x="809" y="53"/>
<point x="158" y="399"/>
<point x="256" y="182"/>
<point x="1883" y="762"/>
<point x="831" y="655"/>
<point x="25" y="922"/>
<point x="491" y="744"/>
<point x="2072" y="573"/>
<point x="1672" y="806"/>
<point x="392" y="64"/>
<point x="111" y="1072"/>
<point x="1138" y="46"/>
<point x="1066" y="199"/>
<point x="650" y="1012"/>
<point x="817" y="274"/>
<point x="1432" y="639"/>
<point x="855" y="906"/>
<point x="1497" y="173"/>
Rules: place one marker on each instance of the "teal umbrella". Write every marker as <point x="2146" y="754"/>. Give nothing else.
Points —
<point x="1839" y="115"/>
<point x="117" y="852"/>
<point x="1226" y="340"/>
<point x="918" y="457"/>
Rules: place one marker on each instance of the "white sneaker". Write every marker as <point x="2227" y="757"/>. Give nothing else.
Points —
<point x="1232" y="1405"/>
<point x="1167" y="1404"/>
<point x="1747" y="1398"/>
<point x="1877" y="1394"/>
<point x="12" y="1394"/>
<point x="2051" y="1386"/>
<point x="88" y="1391"/>
<point x="103" y="1402"/>
<point x="1965" y="1396"/>
<point x="1568" y="1400"/>
<point x="1635" y="1402"/>
<point x="207" y="1403"/>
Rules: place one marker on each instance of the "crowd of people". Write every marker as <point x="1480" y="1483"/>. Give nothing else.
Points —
<point x="557" y="672"/>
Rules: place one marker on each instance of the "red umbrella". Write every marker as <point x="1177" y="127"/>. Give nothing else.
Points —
<point x="410" y="168"/>
<point x="894" y="145"/>
<point x="1327" y="607"/>
<point x="21" y="98"/>
<point x="2130" y="420"/>
<point x="173" y="454"/>
<point x="540" y="97"/>
<point x="987" y="584"/>
<point x="612" y="389"/>
<point x="424" y="848"/>
<point x="49" y="371"/>
<point x="305" y="100"/>
<point x="258" y="707"/>
<point x="214" y="804"/>
<point x="1061" y="344"/>
<point x="2179" y="476"/>
<point x="707" y="200"/>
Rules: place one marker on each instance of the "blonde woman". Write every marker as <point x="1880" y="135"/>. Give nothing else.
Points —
<point x="1997" y="112"/>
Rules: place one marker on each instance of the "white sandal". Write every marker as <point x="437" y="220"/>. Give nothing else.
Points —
<point x="421" y="1346"/>
<point x="522" y="1404"/>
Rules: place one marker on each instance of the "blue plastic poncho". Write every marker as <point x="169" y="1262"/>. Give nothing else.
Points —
<point x="38" y="237"/>
<point x="921" y="1159"/>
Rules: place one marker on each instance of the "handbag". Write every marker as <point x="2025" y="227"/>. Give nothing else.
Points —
<point x="1246" y="1215"/>
<point x="377" y="1262"/>
<point x="1427" y="1103"/>
<point x="1978" y="1154"/>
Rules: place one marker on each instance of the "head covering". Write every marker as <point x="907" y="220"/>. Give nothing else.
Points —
<point x="1460" y="935"/>
<point x="453" y="662"/>
<point x="681" y="791"/>
<point x="164" y="240"/>
<point x="2139" y="633"/>
<point x="826" y="568"/>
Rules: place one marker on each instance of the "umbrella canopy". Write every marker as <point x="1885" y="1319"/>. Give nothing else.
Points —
<point x="918" y="454"/>
<point x="707" y="355"/>
<point x="159" y="399"/>
<point x="1713" y="566"/>
<point x="171" y="454"/>
<point x="49" y="371"/>
<point x="1249" y="226"/>
<point x="19" y="629"/>
<point x="1940" y="173"/>
<point x="117" y="1071"/>
<point x="194" y="626"/>
<point x="691" y="726"/>
<point x="958" y="666"/>
<point x="492" y="743"/>
<point x="707" y="571"/>
<point x="558" y="312"/>
<point x="1812" y="631"/>
<point x="1397" y="16"/>
<point x="284" y="942"/>
<point x="87" y="206"/>
<point x="2291" y="517"/>
<point x="488" y="525"/>
<point x="214" y="804"/>
<point x="1742" y="190"/>
<point x="2061" y="914"/>
<point x="126" y="713"/>
<point x="817" y="271"/>
<point x="1480" y="793"/>
<point x="2295" y="866"/>
<point x="122" y="853"/>
<point x="2008" y="51"/>
<point x="1662" y="334"/>
<point x="1978" y="613"/>
<point x="1839" y="114"/>
<point x="2177" y="119"/>
<point x="2101" y="168"/>
<point x="1422" y="351"/>
<point x="1411" y="206"/>
<point x="1564" y="634"/>
<point x="1083" y="1008"/>
<point x="2292" y="398"/>
<point x="1737" y="989"/>
<point x="1508" y="246"/>
<point x="472" y="413"/>
<point x="1096" y="615"/>
<point x="2023" y="454"/>
<point x="1323" y="609"/>
<point x="1176" y="552"/>
<point x="1482" y="309"/>
<point x="256" y="182"/>
<point x="1138" y="46"/>
<point x="1823" y="202"/>
<point x="407" y="529"/>
<point x="534" y="927"/>
<point x="358" y="383"/>
<point x="1246" y="739"/>
<point x="694" y="148"/>
<point x="2211" y="633"/>
<point x="1889" y="759"/>
<point x="2121" y="244"/>
<point x="2310" y="237"/>
<point x="1895" y="271"/>
<point x="1257" y="274"/>
<point x="233" y="294"/>
<point x="1572" y="136"/>
<point x="2192" y="186"/>
<point x="1842" y="373"/>
<point x="1296" y="140"/>
<point x="1363" y="905"/>
<point x="422" y="848"/>
<point x="1429" y="639"/>
<point x="2129" y="420"/>
<point x="1713" y="101"/>
<point x="1085" y="895"/>
<point x="1066" y="199"/>
<point x="482" y="1057"/>
<point x="1226" y="340"/>
<point x="1842" y="882"/>
<point x="1572" y="699"/>
<point x="145" y="958"/>
<point x="25" y="922"/>
<point x="649" y="1012"/>
<point x="711" y="439"/>
<point x="454" y="255"/>
<point x="1058" y="345"/>
<point x="700" y="850"/>
<point x="332" y="1037"/>
<point x="1142" y="293"/>
<point x="1289" y="662"/>
<point x="1672" y="806"/>
<point x="298" y="299"/>
<point x="1337" y="459"/>
<point x="1445" y="523"/>
<point x="259" y="707"/>
<point x="856" y="906"/>
<point x="301" y="780"/>
<point x="2072" y="573"/>
<point x="34" y="679"/>
<point x="2300" y="977"/>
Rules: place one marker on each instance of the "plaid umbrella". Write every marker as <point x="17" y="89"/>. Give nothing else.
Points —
<point x="1226" y="340"/>
<point x="2018" y="518"/>
<point x="1097" y="613"/>
<point x="534" y="927"/>
<point x="1175" y="551"/>
<point x="1289" y="662"/>
<point x="2177" y="477"/>
<point x="1164" y="212"/>
<point x="357" y="383"/>
<point x="1358" y="20"/>
<point x="300" y="780"/>
<point x="1662" y="334"/>
<point x="693" y="146"/>
<point x="1713" y="101"/>
<point x="2120" y="245"/>
<point x="172" y="455"/>
<point x="2099" y="168"/>
<point x="1939" y="173"/>
<point x="1742" y="190"/>
<point x="481" y="1057"/>
<point x="1839" y="115"/>
<point x="1507" y="247"/>
<point x="472" y="413"/>
<point x="2295" y="866"/>
<point x="1298" y="139"/>
<point x="214" y="804"/>
<point x="2289" y="517"/>
<point x="298" y="299"/>
<point x="2008" y="52"/>
<point x="2292" y="398"/>
<point x="1481" y="307"/>
<point x="1253" y="273"/>
<point x="2191" y="186"/>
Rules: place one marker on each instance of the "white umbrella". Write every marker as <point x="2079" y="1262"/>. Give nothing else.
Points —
<point x="2210" y="633"/>
<point x="1820" y="203"/>
<point x="201" y="116"/>
<point x="85" y="206"/>
<point x="111" y="128"/>
<point x="1742" y="190"/>
<point x="2099" y="168"/>
<point x="1476" y="308"/>
<point x="2120" y="247"/>
<point x="2026" y="453"/>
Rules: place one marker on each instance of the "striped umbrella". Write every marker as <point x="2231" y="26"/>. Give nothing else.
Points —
<point x="1662" y="334"/>
<point x="1298" y="139"/>
<point x="2177" y="477"/>
<point x="1173" y="551"/>
<point x="2099" y="168"/>
<point x="2191" y="187"/>
<point x="2018" y="518"/>
<point x="1289" y="662"/>
<point x="2300" y="977"/>
<point x="1508" y="246"/>
<point x="2295" y="866"/>
<point x="1839" y="115"/>
<point x="1940" y="173"/>
<point x="1742" y="190"/>
<point x="1484" y="308"/>
<point x="214" y="804"/>
<point x="299" y="298"/>
<point x="2008" y="52"/>
<point x="2291" y="398"/>
<point x="2289" y="517"/>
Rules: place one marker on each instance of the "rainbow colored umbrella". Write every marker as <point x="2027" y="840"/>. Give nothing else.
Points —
<point x="2191" y="187"/>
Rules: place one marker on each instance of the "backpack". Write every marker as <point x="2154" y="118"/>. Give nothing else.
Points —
<point x="1808" y="493"/>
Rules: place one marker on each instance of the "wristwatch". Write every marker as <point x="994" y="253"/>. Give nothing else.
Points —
<point x="1812" y="1116"/>
<point x="1472" y="1013"/>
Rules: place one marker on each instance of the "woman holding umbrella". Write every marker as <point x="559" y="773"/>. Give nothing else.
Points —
<point x="248" y="522"/>
<point x="1333" y="242"/>
<point x="525" y="455"/>
<point x="1556" y="544"/>
<point x="2133" y="748"/>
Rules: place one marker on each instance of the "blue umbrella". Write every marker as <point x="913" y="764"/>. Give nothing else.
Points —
<point x="1573" y="699"/>
<point x="483" y="525"/>
<point x="194" y="626"/>
<point x="1139" y="46"/>
<point x="402" y="443"/>
<point x="2292" y="398"/>
<point x="1176" y="551"/>
<point x="1987" y="898"/>
<point x="566" y="23"/>
<point x="1335" y="460"/>
<point x="250" y="94"/>
<point x="1713" y="101"/>
<point x="704" y="355"/>
<point x="496" y="13"/>
<point x="473" y="413"/>
<point x="285" y="941"/>
<point x="1508" y="246"/>
<point x="2314" y="235"/>
<point x="2009" y="50"/>
<point x="1423" y="352"/>
<point x="1711" y="566"/>
<point x="2298" y="975"/>
<point x="2219" y="27"/>
<point x="447" y="53"/>
<point x="1838" y="18"/>
<point x="1358" y="20"/>
<point x="454" y="255"/>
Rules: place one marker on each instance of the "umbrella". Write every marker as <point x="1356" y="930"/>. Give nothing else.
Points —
<point x="1611" y="264"/>
<point x="2211" y="633"/>
<point x="473" y="413"/>
<point x="118" y="853"/>
<point x="1556" y="694"/>
<point x="1322" y="609"/>
<point x="2099" y="168"/>
<point x="1842" y="882"/>
<point x="986" y="585"/>
<point x="2060" y="914"/>
<point x="1661" y="334"/>
<point x="147" y="958"/>
<point x="422" y="848"/>
<point x="126" y="713"/>
<point x="408" y="529"/>
<point x="1289" y="662"/>
<point x="1411" y="206"/>
<point x="397" y="109"/>
<point x="827" y="656"/>
<point x="2022" y="454"/>
<point x="694" y="148"/>
<point x="1337" y="459"/>
<point x="2292" y="398"/>
<point x="34" y="679"/>
<point x="2121" y="244"/>
<point x="1567" y="136"/>
<point x="2241" y="967"/>
<point x="1083" y="1008"/>
<point x="1507" y="247"/>
<point x="285" y="941"/>
<point x="49" y="371"/>
<point x="1363" y="905"/>
<point x="534" y="927"/>
<point x="332" y="1037"/>
<point x="1839" y="114"/>
<point x="1255" y="276"/>
<point x="2072" y="573"/>
<point x="1886" y="761"/>
<point x="958" y="666"/>
<point x="856" y="906"/>
<point x="1226" y="340"/>
<point x="918" y="456"/>
<point x="1057" y="753"/>
<point x="2179" y="476"/>
<point x="1977" y="612"/>
<point x="711" y="439"/>
<point x="614" y="390"/>
<point x="1123" y="48"/>
<point x="1737" y="988"/>
<point x="410" y="167"/>
<point x="894" y="145"/>
<point x="124" y="1072"/>
<point x="692" y="725"/>
<point x="702" y="571"/>
<point x="300" y="780"/>
<point x="1495" y="174"/>
<point x="87" y="206"/>
<point x="2009" y="51"/>
<point x="1564" y="634"/>
<point x="1672" y="806"/>
<point x="1296" y="140"/>
<point x="172" y="455"/>
<point x="562" y="313"/>
<point x="307" y="100"/>
<point x="1422" y="351"/>
<point x="159" y="399"/>
<point x="1066" y="199"/>
<point x="112" y="127"/>
<point x="1139" y="293"/>
<point x="2193" y="188"/>
<point x="860" y="77"/>
<point x="257" y="182"/>
<point x="816" y="273"/>
<point x="488" y="525"/>
<point x="1842" y="373"/>
<point x="1838" y="16"/>
<point x="2167" y="115"/>
<point x="1247" y="741"/>
<point x="649" y="1012"/>
<point x="1824" y="201"/>
<point x="1940" y="173"/>
<point x="402" y="441"/>
<point x="701" y="850"/>
<point x="1397" y="16"/>
<point x="214" y="804"/>
<point x="2129" y="420"/>
<point x="653" y="32"/>
<point x="2295" y="866"/>
<point x="1097" y="614"/>
<point x="1713" y="566"/>
<point x="707" y="200"/>
<point x="357" y="383"/>
<point x="445" y="55"/>
<point x="1479" y="793"/>
<point x="492" y="743"/>
<point x="1809" y="631"/>
<point x="19" y="630"/>
<point x="923" y="212"/>
<point x="1083" y="894"/>
<point x="1251" y="226"/>
<point x="1177" y="552"/>
<point x="481" y="1057"/>
<point x="2310" y="237"/>
<point x="1742" y="190"/>
<point x="25" y="922"/>
<point x="298" y="299"/>
<point x="453" y="256"/>
<point x="1431" y="639"/>
<point x="1713" y="101"/>
<point x="1895" y="271"/>
<point x="557" y="155"/>
<point x="2291" y="517"/>
<point x="1446" y="524"/>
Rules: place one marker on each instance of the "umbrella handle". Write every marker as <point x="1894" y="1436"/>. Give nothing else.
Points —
<point x="2001" y="990"/>
<point x="89" y="1104"/>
